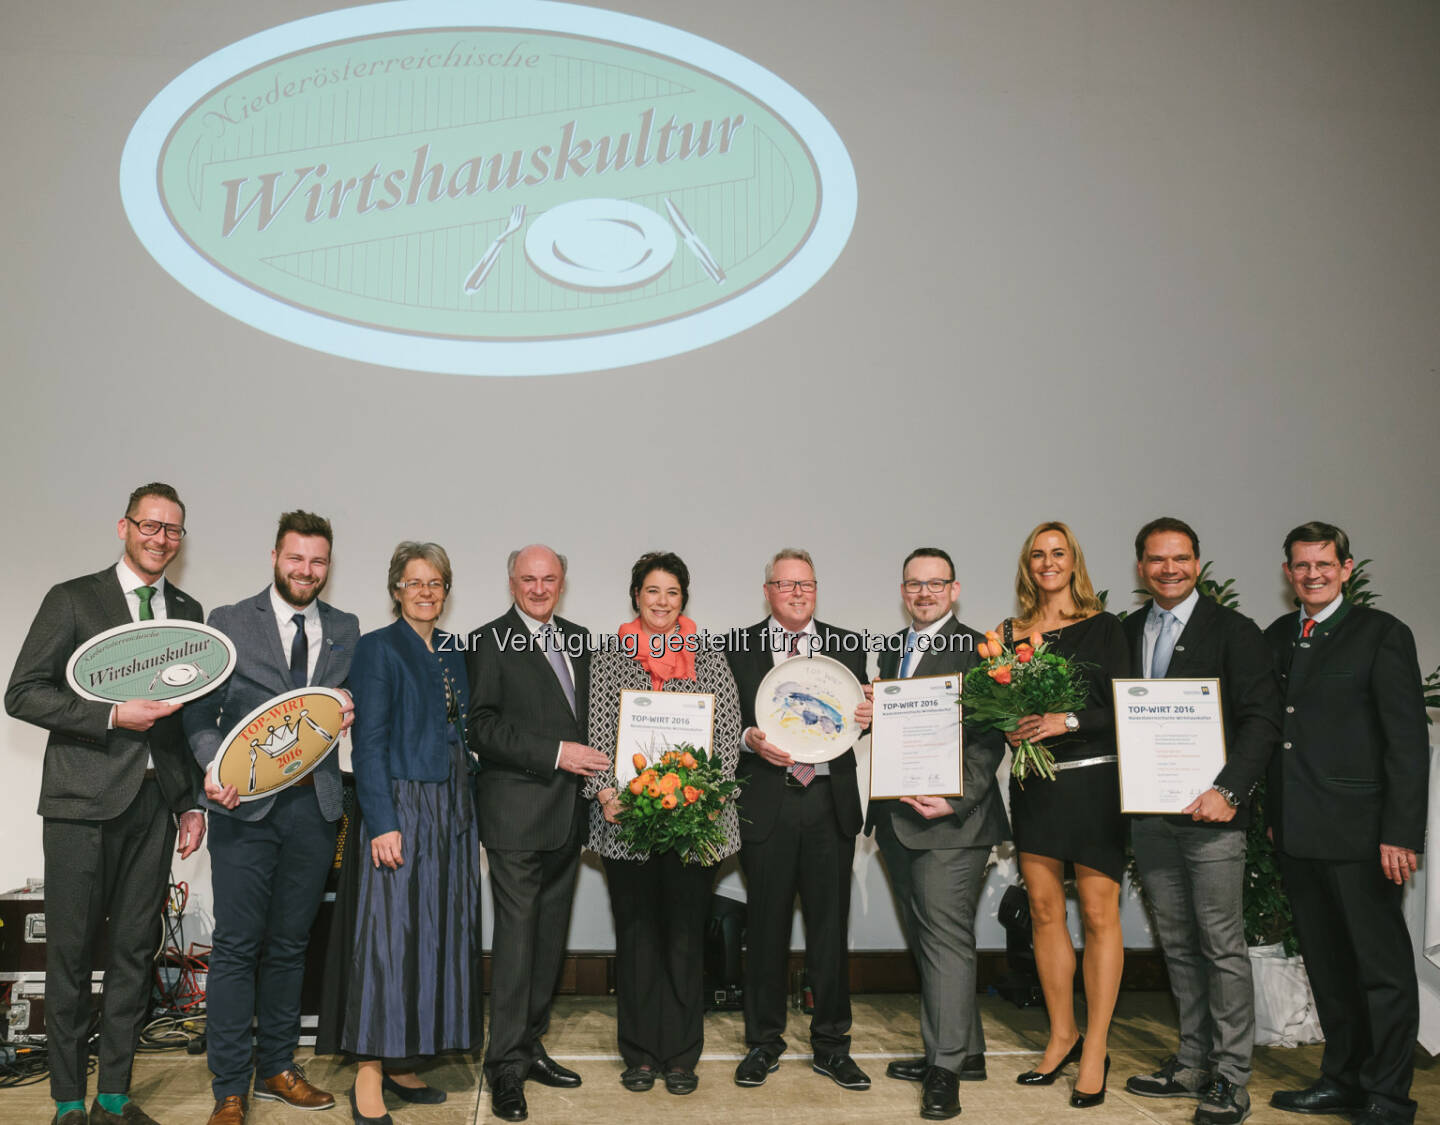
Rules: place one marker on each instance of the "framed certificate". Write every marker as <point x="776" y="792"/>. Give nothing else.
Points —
<point x="916" y="745"/>
<point x="1170" y="737"/>
<point x="652" y="722"/>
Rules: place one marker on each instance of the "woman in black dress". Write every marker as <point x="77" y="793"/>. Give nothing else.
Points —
<point x="1075" y="819"/>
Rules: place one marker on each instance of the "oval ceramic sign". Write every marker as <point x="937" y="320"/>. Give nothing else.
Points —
<point x="523" y="188"/>
<point x="279" y="742"/>
<point x="169" y="661"/>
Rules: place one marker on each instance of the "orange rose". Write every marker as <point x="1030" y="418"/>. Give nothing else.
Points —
<point x="640" y="763"/>
<point x="669" y="801"/>
<point x="991" y="635"/>
<point x="687" y="760"/>
<point x="667" y="757"/>
<point x="1001" y="675"/>
<point x="983" y="650"/>
<point x="669" y="783"/>
<point x="652" y="790"/>
<point x="1025" y="655"/>
<point x="692" y="794"/>
<point x="649" y="777"/>
<point x="1036" y="640"/>
<point x="636" y="786"/>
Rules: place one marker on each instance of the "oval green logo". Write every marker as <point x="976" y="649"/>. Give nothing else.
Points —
<point x="556" y="189"/>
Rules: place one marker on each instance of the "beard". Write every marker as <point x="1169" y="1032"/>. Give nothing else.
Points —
<point x="298" y="596"/>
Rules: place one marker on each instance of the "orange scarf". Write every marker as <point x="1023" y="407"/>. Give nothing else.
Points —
<point x="669" y="665"/>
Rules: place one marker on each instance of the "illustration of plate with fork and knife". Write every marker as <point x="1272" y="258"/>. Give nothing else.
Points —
<point x="600" y="244"/>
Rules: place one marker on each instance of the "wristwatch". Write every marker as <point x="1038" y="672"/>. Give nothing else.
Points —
<point x="1230" y="798"/>
<point x="1071" y="722"/>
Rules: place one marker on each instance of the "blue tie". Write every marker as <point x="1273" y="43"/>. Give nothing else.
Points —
<point x="1164" y="645"/>
<point x="909" y="662"/>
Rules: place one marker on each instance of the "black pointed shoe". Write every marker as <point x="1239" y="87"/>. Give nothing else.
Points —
<point x="1047" y="1077"/>
<point x="548" y="1072"/>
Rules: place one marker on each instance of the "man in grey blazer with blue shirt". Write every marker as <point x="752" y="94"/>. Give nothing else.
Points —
<point x="936" y="849"/>
<point x="269" y="858"/>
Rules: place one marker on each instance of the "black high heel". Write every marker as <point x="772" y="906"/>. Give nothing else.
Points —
<point x="1085" y="1101"/>
<point x="1046" y="1077"/>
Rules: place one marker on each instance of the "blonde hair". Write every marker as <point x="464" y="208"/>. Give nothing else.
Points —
<point x="1082" y="592"/>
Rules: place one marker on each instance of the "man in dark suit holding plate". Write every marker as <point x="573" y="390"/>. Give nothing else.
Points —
<point x="269" y="858"/>
<point x="117" y="780"/>
<point x="798" y="825"/>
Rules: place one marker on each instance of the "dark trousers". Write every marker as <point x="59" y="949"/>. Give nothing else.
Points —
<point x="806" y="853"/>
<point x="1362" y="970"/>
<point x="269" y="876"/>
<point x="660" y="907"/>
<point x="96" y="869"/>
<point x="532" y="893"/>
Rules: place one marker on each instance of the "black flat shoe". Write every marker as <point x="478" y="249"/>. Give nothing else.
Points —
<point x="678" y="1080"/>
<point x="1087" y="1101"/>
<point x="415" y="1095"/>
<point x="638" y="1079"/>
<point x="360" y="1119"/>
<point x="1047" y="1077"/>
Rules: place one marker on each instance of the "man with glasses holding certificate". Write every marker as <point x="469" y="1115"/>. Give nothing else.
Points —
<point x="1193" y="864"/>
<point x="117" y="779"/>
<point x="937" y="849"/>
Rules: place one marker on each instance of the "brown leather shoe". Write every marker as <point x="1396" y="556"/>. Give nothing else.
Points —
<point x="290" y="1087"/>
<point x="229" y="1111"/>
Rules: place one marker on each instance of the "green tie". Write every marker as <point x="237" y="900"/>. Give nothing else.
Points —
<point x="145" y="593"/>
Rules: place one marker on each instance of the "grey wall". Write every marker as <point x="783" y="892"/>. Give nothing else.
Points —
<point x="1112" y="259"/>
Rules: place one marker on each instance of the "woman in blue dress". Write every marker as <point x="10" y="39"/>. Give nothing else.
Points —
<point x="414" y="981"/>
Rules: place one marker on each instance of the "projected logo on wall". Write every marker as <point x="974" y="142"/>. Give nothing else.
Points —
<point x="523" y="188"/>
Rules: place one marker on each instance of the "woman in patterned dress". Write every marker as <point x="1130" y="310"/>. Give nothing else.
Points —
<point x="659" y="903"/>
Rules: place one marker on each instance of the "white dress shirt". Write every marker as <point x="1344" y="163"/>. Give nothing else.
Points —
<point x="535" y="626"/>
<point x="314" y="635"/>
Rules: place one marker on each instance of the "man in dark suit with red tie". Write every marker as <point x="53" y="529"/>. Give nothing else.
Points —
<point x="1346" y="795"/>
<point x="117" y="780"/>
<point x="529" y="705"/>
<point x="797" y="832"/>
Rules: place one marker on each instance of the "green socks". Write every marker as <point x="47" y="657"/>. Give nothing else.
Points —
<point x="112" y="1103"/>
<point x="62" y="1108"/>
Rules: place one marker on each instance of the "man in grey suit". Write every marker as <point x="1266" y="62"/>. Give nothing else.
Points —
<point x="269" y="858"/>
<point x="936" y="849"/>
<point x="529" y="702"/>
<point x="1193" y="864"/>
<point x="116" y="779"/>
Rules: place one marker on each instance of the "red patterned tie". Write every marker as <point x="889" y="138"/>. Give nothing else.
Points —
<point x="800" y="771"/>
<point x="1307" y="627"/>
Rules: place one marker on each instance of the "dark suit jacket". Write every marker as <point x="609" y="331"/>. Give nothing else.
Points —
<point x="1352" y="771"/>
<point x="92" y="773"/>
<point x="764" y="784"/>
<point x="1219" y="642"/>
<point x="979" y="818"/>
<point x="518" y="718"/>
<point x="261" y="673"/>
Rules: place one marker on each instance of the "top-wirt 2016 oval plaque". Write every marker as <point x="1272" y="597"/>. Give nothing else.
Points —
<point x="366" y="182"/>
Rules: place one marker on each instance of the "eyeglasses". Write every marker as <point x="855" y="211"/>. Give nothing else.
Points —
<point x="415" y="584"/>
<point x="1320" y="568"/>
<point x="784" y="585"/>
<point x="173" y="532"/>
<point x="934" y="585"/>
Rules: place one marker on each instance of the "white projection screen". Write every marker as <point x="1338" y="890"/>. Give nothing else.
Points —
<point x="980" y="265"/>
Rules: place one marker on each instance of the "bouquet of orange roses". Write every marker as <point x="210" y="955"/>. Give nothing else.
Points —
<point x="1009" y="684"/>
<point x="674" y="804"/>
